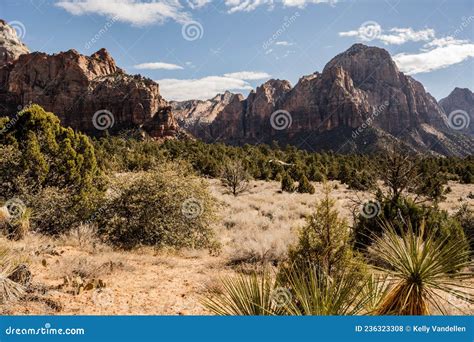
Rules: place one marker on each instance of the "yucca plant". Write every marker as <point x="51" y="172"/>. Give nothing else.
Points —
<point x="306" y="291"/>
<point x="9" y="290"/>
<point x="422" y="269"/>
<point x="375" y="290"/>
<point x="317" y="293"/>
<point x="252" y="294"/>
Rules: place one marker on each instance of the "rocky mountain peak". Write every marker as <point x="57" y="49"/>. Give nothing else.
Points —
<point x="460" y="101"/>
<point x="359" y="91"/>
<point x="11" y="47"/>
<point x="78" y="88"/>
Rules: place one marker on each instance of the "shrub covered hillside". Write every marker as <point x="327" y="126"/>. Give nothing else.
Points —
<point x="48" y="169"/>
<point x="273" y="162"/>
<point x="51" y="182"/>
<point x="401" y="254"/>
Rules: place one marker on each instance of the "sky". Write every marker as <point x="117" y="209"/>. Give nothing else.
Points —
<point x="197" y="48"/>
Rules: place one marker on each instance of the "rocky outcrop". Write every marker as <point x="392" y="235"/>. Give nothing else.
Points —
<point x="11" y="47"/>
<point x="459" y="107"/>
<point x="196" y="115"/>
<point x="88" y="93"/>
<point x="359" y="97"/>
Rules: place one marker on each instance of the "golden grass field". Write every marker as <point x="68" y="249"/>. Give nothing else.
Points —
<point x="255" y="226"/>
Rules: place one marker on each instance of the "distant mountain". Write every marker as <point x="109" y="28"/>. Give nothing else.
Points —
<point x="88" y="93"/>
<point x="459" y="107"/>
<point x="11" y="47"/>
<point x="360" y="102"/>
<point x="196" y="115"/>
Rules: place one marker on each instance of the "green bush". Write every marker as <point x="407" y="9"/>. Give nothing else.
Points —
<point x="37" y="153"/>
<point x="324" y="241"/>
<point x="465" y="217"/>
<point x="369" y="222"/>
<point x="164" y="207"/>
<point x="304" y="186"/>
<point x="287" y="183"/>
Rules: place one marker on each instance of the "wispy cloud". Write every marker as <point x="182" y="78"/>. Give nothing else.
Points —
<point x="198" y="3"/>
<point x="157" y="65"/>
<point x="207" y="87"/>
<point x="283" y="43"/>
<point x="398" y="35"/>
<point x="250" y="5"/>
<point x="248" y="75"/>
<point x="444" y="53"/>
<point x="134" y="12"/>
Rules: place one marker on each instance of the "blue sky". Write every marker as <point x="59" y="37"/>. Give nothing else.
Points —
<point x="196" y="48"/>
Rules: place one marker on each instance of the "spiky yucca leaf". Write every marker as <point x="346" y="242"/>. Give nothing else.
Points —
<point x="375" y="290"/>
<point x="9" y="290"/>
<point x="423" y="268"/>
<point x="316" y="293"/>
<point x="244" y="295"/>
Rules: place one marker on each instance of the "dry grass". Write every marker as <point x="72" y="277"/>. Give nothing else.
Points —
<point x="258" y="226"/>
<point x="254" y="226"/>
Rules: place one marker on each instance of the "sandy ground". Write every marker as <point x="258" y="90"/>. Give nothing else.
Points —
<point x="255" y="226"/>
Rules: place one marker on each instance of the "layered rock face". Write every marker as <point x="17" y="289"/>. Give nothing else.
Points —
<point x="88" y="93"/>
<point x="196" y="115"/>
<point x="11" y="46"/>
<point x="360" y="91"/>
<point x="459" y="107"/>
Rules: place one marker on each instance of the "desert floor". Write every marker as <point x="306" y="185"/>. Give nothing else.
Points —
<point x="257" y="225"/>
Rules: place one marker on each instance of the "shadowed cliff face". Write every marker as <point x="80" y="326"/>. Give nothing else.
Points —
<point x="358" y="103"/>
<point x="360" y="96"/>
<point x="88" y="93"/>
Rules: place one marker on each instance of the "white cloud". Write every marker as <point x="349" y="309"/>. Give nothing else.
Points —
<point x="201" y="88"/>
<point x="400" y="36"/>
<point x="134" y="12"/>
<point x="445" y="41"/>
<point x="397" y="35"/>
<point x="250" y="5"/>
<point x="283" y="43"/>
<point x="248" y="75"/>
<point x="302" y="3"/>
<point x="447" y="51"/>
<point x="197" y="3"/>
<point x="158" y="65"/>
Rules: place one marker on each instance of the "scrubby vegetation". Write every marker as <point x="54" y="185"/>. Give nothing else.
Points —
<point x="164" y="207"/>
<point x="401" y="251"/>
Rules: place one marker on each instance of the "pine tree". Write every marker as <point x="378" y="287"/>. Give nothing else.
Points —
<point x="287" y="183"/>
<point x="305" y="186"/>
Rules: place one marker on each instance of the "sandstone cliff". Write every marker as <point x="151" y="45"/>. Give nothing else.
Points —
<point x="11" y="47"/>
<point x="360" y="101"/>
<point x="88" y="93"/>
